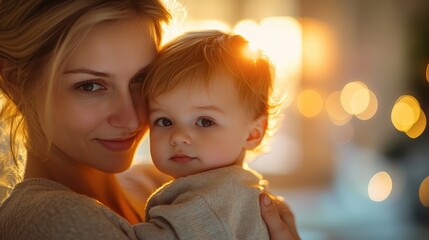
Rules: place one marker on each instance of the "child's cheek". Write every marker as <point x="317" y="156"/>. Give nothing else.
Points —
<point x="219" y="151"/>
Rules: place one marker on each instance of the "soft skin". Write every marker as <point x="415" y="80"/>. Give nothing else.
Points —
<point x="197" y="128"/>
<point x="94" y="113"/>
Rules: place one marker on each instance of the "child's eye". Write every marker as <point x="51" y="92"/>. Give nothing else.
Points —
<point x="163" y="122"/>
<point x="90" y="87"/>
<point x="204" y="122"/>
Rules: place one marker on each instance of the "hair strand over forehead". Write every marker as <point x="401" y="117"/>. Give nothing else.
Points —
<point x="205" y="54"/>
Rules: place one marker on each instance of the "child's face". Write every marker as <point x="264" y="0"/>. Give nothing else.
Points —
<point x="197" y="128"/>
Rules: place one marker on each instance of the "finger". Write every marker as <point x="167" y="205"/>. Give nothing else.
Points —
<point x="286" y="215"/>
<point x="277" y="229"/>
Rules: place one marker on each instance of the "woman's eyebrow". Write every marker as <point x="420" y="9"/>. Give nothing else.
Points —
<point x="86" y="71"/>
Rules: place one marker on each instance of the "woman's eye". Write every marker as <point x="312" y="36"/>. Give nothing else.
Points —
<point x="204" y="122"/>
<point x="163" y="122"/>
<point x="90" y="87"/>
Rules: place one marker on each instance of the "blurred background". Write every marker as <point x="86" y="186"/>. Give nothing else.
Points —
<point x="352" y="155"/>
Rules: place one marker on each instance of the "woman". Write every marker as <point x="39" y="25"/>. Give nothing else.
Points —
<point x="66" y="68"/>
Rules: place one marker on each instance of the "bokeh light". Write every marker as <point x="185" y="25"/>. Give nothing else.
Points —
<point x="335" y="110"/>
<point x="355" y="97"/>
<point x="380" y="186"/>
<point x="405" y="113"/>
<point x="372" y="108"/>
<point x="419" y="127"/>
<point x="424" y="192"/>
<point x="309" y="103"/>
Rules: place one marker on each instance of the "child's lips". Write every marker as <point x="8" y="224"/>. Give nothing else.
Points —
<point x="181" y="158"/>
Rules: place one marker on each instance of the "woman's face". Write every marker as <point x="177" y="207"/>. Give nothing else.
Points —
<point x="95" y="122"/>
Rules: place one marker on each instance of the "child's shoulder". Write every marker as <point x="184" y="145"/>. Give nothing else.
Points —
<point x="213" y="184"/>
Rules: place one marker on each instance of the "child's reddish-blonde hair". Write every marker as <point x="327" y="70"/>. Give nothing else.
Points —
<point x="196" y="57"/>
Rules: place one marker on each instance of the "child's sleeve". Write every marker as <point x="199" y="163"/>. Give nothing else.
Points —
<point x="190" y="217"/>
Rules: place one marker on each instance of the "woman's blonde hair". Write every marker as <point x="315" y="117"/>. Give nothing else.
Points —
<point x="196" y="57"/>
<point x="36" y="36"/>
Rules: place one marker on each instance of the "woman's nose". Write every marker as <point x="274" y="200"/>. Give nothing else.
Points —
<point x="139" y="103"/>
<point x="124" y="114"/>
<point x="179" y="137"/>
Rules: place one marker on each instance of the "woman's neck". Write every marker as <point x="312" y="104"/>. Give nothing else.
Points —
<point x="73" y="174"/>
<point x="83" y="179"/>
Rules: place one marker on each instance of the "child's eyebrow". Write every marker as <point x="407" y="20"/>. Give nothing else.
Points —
<point x="210" y="108"/>
<point x="153" y="110"/>
<point x="203" y="108"/>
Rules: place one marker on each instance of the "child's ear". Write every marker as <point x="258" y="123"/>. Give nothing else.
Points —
<point x="256" y="132"/>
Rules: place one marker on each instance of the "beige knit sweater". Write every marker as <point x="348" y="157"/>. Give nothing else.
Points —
<point x="42" y="209"/>
<point x="219" y="204"/>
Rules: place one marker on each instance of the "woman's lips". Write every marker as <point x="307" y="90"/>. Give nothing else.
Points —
<point x="117" y="145"/>
<point x="182" y="158"/>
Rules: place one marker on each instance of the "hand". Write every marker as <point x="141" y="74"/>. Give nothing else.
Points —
<point x="278" y="217"/>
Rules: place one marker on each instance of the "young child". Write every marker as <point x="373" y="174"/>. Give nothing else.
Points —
<point x="208" y="103"/>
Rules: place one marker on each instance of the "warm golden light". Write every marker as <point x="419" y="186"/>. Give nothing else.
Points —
<point x="424" y="192"/>
<point x="355" y="97"/>
<point x="250" y="30"/>
<point x="251" y="53"/>
<point x="405" y="113"/>
<point x="372" y="108"/>
<point x="310" y="103"/>
<point x="380" y="187"/>
<point x="206" y="24"/>
<point x="280" y="38"/>
<point x="282" y="41"/>
<point x="283" y="44"/>
<point x="402" y="116"/>
<point x="176" y="28"/>
<point x="335" y="110"/>
<point x="419" y="127"/>
<point x="319" y="49"/>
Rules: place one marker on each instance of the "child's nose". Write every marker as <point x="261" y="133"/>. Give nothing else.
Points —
<point x="180" y="137"/>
